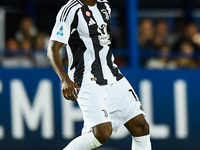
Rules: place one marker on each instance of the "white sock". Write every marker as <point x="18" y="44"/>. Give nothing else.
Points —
<point x="84" y="142"/>
<point x="141" y="143"/>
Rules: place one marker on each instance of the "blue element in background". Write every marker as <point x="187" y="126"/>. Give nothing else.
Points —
<point x="163" y="102"/>
<point x="60" y="31"/>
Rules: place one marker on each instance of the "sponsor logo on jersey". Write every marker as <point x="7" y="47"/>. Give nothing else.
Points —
<point x="91" y="22"/>
<point x="94" y="79"/>
<point x="88" y="13"/>
<point x="60" y="32"/>
<point x="104" y="37"/>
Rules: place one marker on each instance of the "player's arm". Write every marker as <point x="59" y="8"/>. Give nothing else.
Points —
<point x="68" y="87"/>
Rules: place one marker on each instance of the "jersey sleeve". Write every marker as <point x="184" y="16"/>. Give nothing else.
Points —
<point x="62" y="28"/>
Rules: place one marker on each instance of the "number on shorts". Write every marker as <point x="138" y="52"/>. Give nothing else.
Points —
<point x="134" y="95"/>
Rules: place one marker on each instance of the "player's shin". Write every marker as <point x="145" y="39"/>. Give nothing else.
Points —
<point x="141" y="143"/>
<point x="84" y="142"/>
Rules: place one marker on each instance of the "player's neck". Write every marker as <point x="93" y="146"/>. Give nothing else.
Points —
<point x="89" y="2"/>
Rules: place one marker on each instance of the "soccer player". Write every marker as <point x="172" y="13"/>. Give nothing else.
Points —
<point x="105" y="97"/>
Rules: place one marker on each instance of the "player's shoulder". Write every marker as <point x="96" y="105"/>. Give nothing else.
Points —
<point x="103" y="1"/>
<point x="69" y="8"/>
<point x="72" y="4"/>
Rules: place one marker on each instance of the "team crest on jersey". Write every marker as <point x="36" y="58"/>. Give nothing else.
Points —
<point x="60" y="32"/>
<point x="88" y="13"/>
<point x="104" y="36"/>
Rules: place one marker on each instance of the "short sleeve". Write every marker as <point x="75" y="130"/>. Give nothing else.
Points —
<point x="60" y="33"/>
<point x="62" y="28"/>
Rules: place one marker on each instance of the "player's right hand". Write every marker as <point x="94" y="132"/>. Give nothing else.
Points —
<point x="69" y="90"/>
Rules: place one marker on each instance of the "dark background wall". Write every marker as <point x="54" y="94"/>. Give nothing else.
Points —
<point x="44" y="12"/>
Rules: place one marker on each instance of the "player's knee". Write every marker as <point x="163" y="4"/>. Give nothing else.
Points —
<point x="143" y="129"/>
<point x="103" y="133"/>
<point x="103" y="136"/>
<point x="146" y="128"/>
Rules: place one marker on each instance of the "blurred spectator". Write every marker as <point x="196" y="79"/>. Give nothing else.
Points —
<point x="162" y="35"/>
<point x="26" y="58"/>
<point x="191" y="35"/>
<point x="26" y="46"/>
<point x="145" y="38"/>
<point x="186" y="60"/>
<point x="40" y="51"/>
<point x="146" y="32"/>
<point x="159" y="43"/>
<point x="163" y="61"/>
<point x="12" y="45"/>
<point x="13" y="57"/>
<point x="9" y="60"/>
<point x="27" y="30"/>
<point x="40" y="42"/>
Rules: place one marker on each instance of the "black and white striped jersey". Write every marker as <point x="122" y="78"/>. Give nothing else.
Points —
<point x="86" y="32"/>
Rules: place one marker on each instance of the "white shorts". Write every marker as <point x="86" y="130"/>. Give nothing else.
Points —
<point x="116" y="103"/>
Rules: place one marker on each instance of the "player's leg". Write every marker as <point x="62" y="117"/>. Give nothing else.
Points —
<point x="99" y="135"/>
<point x="137" y="126"/>
<point x="96" y="118"/>
<point x="83" y="142"/>
<point x="102" y="132"/>
<point x="125" y="109"/>
<point x="139" y="129"/>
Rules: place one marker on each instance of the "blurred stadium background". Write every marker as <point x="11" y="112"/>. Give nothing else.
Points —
<point x="157" y="47"/>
